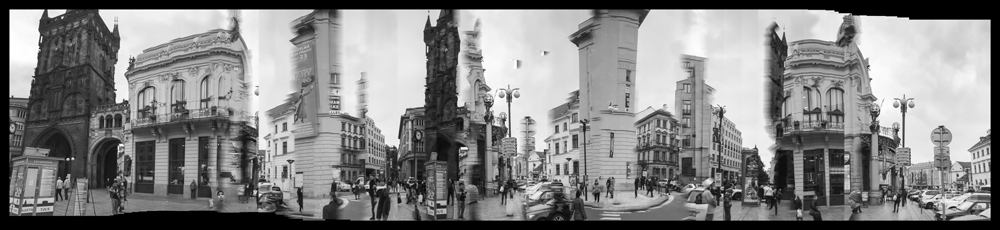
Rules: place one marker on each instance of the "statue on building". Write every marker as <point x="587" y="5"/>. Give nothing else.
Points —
<point x="131" y="63"/>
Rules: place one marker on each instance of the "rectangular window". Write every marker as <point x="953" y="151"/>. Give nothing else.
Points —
<point x="576" y="141"/>
<point x="275" y="128"/>
<point x="576" y="167"/>
<point x="576" y="118"/>
<point x="687" y="122"/>
<point x="687" y="107"/>
<point x="628" y="75"/>
<point x="565" y="126"/>
<point x="557" y="128"/>
<point x="335" y="78"/>
<point x="284" y="127"/>
<point x="17" y="140"/>
<point x="343" y="126"/>
<point x="557" y="170"/>
<point x="687" y="88"/>
<point x="565" y="143"/>
<point x="284" y="147"/>
<point x="557" y="148"/>
<point x="284" y="172"/>
<point x="175" y="166"/>
<point x="566" y="168"/>
<point x="145" y="162"/>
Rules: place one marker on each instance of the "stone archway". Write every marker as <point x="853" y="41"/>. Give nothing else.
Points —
<point x="59" y="145"/>
<point x="105" y="164"/>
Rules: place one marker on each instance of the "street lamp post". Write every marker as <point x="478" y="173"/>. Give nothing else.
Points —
<point x="902" y="104"/>
<point x="585" y="178"/>
<point x="292" y="168"/>
<point x="502" y="156"/>
<point x="718" y="141"/>
<point x="510" y="94"/>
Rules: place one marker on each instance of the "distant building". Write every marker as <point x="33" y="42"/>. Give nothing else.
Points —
<point x="566" y="141"/>
<point x="981" y="164"/>
<point x="693" y="101"/>
<point x="659" y="149"/>
<point x="960" y="176"/>
<point x="412" y="149"/>
<point x="18" y="115"/>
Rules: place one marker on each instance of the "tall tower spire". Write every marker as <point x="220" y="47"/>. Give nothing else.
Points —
<point x="45" y="14"/>
<point x="115" y="31"/>
<point x="428" y="24"/>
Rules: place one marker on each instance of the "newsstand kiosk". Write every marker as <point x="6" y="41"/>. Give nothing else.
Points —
<point x="32" y="186"/>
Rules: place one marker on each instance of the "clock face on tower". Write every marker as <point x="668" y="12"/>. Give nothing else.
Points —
<point x="419" y="135"/>
<point x="12" y="127"/>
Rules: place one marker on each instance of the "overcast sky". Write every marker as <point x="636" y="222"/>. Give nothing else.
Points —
<point x="945" y="65"/>
<point x="139" y="30"/>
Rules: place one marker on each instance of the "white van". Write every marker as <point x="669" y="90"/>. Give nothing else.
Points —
<point x="984" y="189"/>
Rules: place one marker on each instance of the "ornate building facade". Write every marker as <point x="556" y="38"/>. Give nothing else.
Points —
<point x="566" y="141"/>
<point x="607" y="44"/>
<point x="74" y="75"/>
<point x="18" y="114"/>
<point x="658" y="149"/>
<point x="825" y="134"/>
<point x="189" y="100"/>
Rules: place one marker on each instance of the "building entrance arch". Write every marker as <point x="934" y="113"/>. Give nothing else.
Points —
<point x="105" y="166"/>
<point x="59" y="145"/>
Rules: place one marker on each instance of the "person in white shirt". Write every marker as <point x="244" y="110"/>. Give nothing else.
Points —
<point x="66" y="186"/>
<point x="768" y="197"/>
<point x="59" y="185"/>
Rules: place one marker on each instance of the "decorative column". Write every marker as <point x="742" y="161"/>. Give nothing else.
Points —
<point x="874" y="169"/>
<point x="826" y="171"/>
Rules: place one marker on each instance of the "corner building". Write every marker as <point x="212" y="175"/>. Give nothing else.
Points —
<point x="608" y="43"/>
<point x="189" y="102"/>
<point x="824" y="137"/>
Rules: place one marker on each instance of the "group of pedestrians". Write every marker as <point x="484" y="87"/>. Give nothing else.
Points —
<point x="62" y="189"/>
<point x="118" y="191"/>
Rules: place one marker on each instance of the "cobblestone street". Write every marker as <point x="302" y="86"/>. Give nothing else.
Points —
<point x="829" y="213"/>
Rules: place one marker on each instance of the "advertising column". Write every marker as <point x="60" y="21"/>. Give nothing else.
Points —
<point x="437" y="203"/>
<point x="33" y="188"/>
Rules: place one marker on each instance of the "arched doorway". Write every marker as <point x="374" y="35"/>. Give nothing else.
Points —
<point x="59" y="146"/>
<point x="105" y="156"/>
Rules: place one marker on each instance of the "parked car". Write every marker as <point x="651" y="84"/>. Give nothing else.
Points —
<point x="984" y="189"/>
<point x="983" y="216"/>
<point x="688" y="188"/>
<point x="663" y="183"/>
<point x="929" y="203"/>
<point x="343" y="187"/>
<point x="552" y="205"/>
<point x="967" y="208"/>
<point x="955" y="201"/>
<point x="737" y="194"/>
<point x="269" y="191"/>
<point x="914" y="194"/>
<point x="535" y="192"/>
<point x="928" y="194"/>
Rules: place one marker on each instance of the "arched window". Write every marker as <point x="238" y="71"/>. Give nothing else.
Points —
<point x="108" y="121"/>
<point x="118" y="120"/>
<point x="101" y="121"/>
<point x="177" y="96"/>
<point x="807" y="98"/>
<point x="810" y="105"/>
<point x="147" y="97"/>
<point x="835" y="99"/>
<point x="205" y="97"/>
<point x="223" y="91"/>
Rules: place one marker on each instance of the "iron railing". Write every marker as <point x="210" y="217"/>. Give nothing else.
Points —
<point x="218" y="112"/>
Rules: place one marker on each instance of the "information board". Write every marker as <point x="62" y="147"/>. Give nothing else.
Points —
<point x="750" y="196"/>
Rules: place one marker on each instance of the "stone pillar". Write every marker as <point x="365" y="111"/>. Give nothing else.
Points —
<point x="826" y="174"/>
<point x="876" y="169"/>
<point x="798" y="161"/>
<point x="857" y="172"/>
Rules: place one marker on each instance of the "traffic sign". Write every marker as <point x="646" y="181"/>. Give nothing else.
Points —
<point x="903" y="156"/>
<point x="941" y="136"/>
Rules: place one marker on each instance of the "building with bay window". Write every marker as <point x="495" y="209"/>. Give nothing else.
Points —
<point x="658" y="149"/>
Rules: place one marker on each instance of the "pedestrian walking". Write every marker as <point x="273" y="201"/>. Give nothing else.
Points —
<point x="727" y="204"/>
<point x="814" y="210"/>
<point x="383" y="201"/>
<point x="649" y="188"/>
<point x="902" y="194"/>
<point x="708" y="198"/>
<point x="637" y="182"/>
<point x="194" y="189"/>
<point x="855" y="201"/>
<point x="66" y="185"/>
<point x="59" y="185"/>
<point x="472" y="195"/>
<point x="777" y="197"/>
<point x="797" y="203"/>
<point x="125" y="190"/>
<point x="897" y="199"/>
<point x="611" y="187"/>
<point x="503" y="193"/>
<point x="642" y="182"/>
<point x="298" y="197"/>
<point x="371" y="196"/>
<point x="579" y="213"/>
<point x="115" y="199"/>
<point x="461" y="200"/>
<point x="768" y="196"/>
<point x="451" y="190"/>
<point x="597" y="192"/>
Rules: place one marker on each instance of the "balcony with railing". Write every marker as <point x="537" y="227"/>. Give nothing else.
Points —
<point x="659" y="162"/>
<point x="792" y="126"/>
<point x="655" y="145"/>
<point x="148" y="118"/>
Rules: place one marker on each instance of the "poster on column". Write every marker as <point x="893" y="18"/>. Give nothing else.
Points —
<point x="307" y="101"/>
<point x="750" y="196"/>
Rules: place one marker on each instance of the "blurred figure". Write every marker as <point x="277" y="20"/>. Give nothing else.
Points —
<point x="597" y="192"/>
<point x="461" y="200"/>
<point x="221" y="197"/>
<point x="194" y="190"/>
<point x="59" y="185"/>
<point x="382" y="191"/>
<point x="331" y="211"/>
<point x="727" y="204"/>
<point x="610" y="188"/>
<point x="710" y="199"/>
<point x="371" y="196"/>
<point x="814" y="210"/>
<point x="578" y="211"/>
<point x="797" y="204"/>
<point x="298" y="194"/>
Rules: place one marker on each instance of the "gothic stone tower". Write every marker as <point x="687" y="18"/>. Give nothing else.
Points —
<point x="607" y="44"/>
<point x="76" y="65"/>
<point x="441" y="95"/>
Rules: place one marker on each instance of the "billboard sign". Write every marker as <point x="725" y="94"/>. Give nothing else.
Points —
<point x="306" y="101"/>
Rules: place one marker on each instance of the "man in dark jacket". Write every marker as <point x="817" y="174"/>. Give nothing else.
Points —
<point x="371" y="196"/>
<point x="814" y="210"/>
<point x="298" y="194"/>
<point x="637" y="184"/>
<point x="451" y="190"/>
<point x="642" y="182"/>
